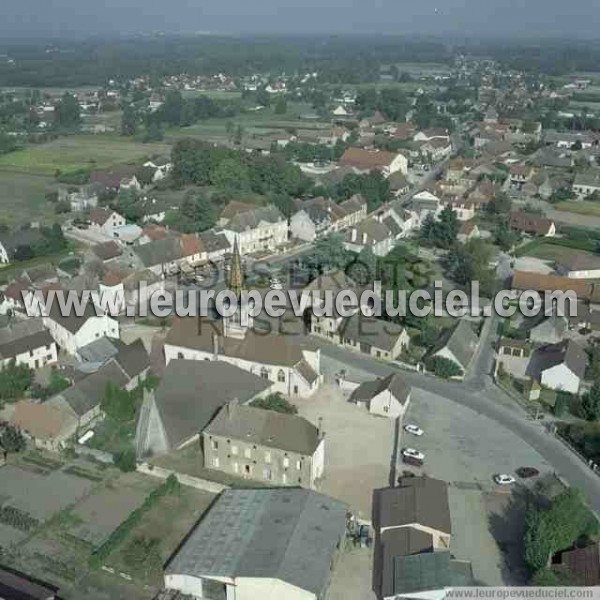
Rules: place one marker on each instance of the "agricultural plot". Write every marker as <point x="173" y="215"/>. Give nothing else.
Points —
<point x="98" y="515"/>
<point x="580" y="207"/>
<point x="22" y="197"/>
<point x="40" y="494"/>
<point x="151" y="543"/>
<point x="78" y="152"/>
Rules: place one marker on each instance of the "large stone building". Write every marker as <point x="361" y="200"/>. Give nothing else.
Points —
<point x="265" y="445"/>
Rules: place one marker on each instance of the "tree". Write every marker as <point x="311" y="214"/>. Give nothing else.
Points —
<point x="470" y="262"/>
<point x="280" y="106"/>
<point x="446" y="228"/>
<point x="11" y="440"/>
<point x="14" y="380"/>
<point x="125" y="460"/>
<point x="590" y="403"/>
<point x="328" y="254"/>
<point x="145" y="175"/>
<point x="443" y="367"/>
<point x="556" y="528"/>
<point x="128" y="121"/>
<point x="364" y="268"/>
<point x="67" y="114"/>
<point x="276" y="402"/>
<point x="118" y="404"/>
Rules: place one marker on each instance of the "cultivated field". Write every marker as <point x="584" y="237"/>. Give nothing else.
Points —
<point x="22" y="197"/>
<point x="580" y="207"/>
<point x="77" y="152"/>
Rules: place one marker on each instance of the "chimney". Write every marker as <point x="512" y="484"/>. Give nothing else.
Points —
<point x="353" y="235"/>
<point x="320" y="432"/>
<point x="215" y="346"/>
<point x="231" y="406"/>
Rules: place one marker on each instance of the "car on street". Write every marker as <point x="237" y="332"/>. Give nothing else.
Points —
<point x="504" y="479"/>
<point x="527" y="472"/>
<point x="412" y="453"/>
<point x="414" y="429"/>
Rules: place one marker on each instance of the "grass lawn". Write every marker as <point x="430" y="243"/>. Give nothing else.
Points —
<point x="581" y="207"/>
<point x="22" y="197"/>
<point x="6" y="272"/>
<point x="142" y="554"/>
<point x="77" y="152"/>
<point x="553" y="252"/>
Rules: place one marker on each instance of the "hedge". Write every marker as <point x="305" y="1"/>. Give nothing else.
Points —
<point x="170" y="486"/>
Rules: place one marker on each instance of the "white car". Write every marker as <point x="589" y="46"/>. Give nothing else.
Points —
<point x="412" y="453"/>
<point x="414" y="430"/>
<point x="504" y="479"/>
<point x="275" y="284"/>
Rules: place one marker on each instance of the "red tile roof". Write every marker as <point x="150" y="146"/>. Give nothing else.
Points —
<point x="367" y="159"/>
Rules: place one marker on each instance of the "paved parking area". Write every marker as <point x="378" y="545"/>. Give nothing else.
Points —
<point x="466" y="449"/>
<point x="463" y="446"/>
<point x="358" y="448"/>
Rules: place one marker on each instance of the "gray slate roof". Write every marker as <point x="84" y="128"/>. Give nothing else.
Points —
<point x="265" y="428"/>
<point x="22" y="337"/>
<point x="421" y="500"/>
<point x="569" y="353"/>
<point x="159" y="252"/>
<point x="191" y="393"/>
<point x="368" y="330"/>
<point x="430" y="571"/>
<point x="395" y="383"/>
<point x="252" y="218"/>
<point x="286" y="534"/>
<point x="87" y="393"/>
<point x="71" y="322"/>
<point x="462" y="342"/>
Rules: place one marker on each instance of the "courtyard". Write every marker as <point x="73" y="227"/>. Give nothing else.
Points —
<point x="359" y="448"/>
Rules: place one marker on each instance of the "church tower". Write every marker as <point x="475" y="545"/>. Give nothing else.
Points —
<point x="238" y="324"/>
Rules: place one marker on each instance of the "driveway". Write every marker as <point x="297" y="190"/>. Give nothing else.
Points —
<point x="358" y="448"/>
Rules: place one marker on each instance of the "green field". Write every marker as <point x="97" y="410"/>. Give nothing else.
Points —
<point x="22" y="197"/>
<point x="580" y="207"/>
<point x="76" y="152"/>
<point x="553" y="252"/>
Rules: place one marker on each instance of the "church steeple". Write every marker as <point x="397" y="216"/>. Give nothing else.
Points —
<point x="236" y="277"/>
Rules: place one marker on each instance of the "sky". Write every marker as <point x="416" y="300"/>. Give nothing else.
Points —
<point x="469" y="18"/>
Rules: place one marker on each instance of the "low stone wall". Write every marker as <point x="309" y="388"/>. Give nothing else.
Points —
<point x="188" y="480"/>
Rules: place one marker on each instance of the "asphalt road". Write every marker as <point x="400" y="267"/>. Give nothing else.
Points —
<point x="482" y="396"/>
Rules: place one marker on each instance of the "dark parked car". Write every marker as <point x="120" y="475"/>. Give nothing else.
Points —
<point x="527" y="472"/>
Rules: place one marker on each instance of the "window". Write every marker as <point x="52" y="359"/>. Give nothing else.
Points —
<point x="507" y="351"/>
<point x="386" y="409"/>
<point x="281" y="375"/>
<point x="284" y="478"/>
<point x="180" y="355"/>
<point x="236" y="467"/>
<point x="216" y="462"/>
<point x="286" y="462"/>
<point x="295" y="389"/>
<point x="298" y="465"/>
<point x="264" y="373"/>
<point x="247" y="452"/>
<point x="215" y="445"/>
<point x="268" y="457"/>
<point x="234" y="450"/>
<point x="267" y="475"/>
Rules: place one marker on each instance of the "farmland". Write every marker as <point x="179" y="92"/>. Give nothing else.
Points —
<point x="22" y="197"/>
<point x="581" y="207"/>
<point x="76" y="152"/>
